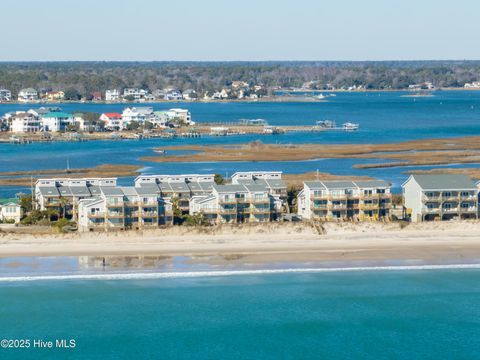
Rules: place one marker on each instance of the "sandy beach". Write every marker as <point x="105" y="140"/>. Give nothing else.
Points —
<point x="452" y="242"/>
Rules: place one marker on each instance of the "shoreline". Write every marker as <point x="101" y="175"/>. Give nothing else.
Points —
<point x="345" y="242"/>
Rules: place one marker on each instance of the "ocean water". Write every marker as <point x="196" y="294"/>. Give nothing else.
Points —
<point x="383" y="117"/>
<point x="412" y="314"/>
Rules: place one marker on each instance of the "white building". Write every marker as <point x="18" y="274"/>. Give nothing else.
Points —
<point x="113" y="121"/>
<point x="112" y="95"/>
<point x="56" y="121"/>
<point x="24" y="122"/>
<point x="179" y="115"/>
<point x="121" y="208"/>
<point x="473" y="85"/>
<point x="138" y="114"/>
<point x="10" y="211"/>
<point x="236" y="204"/>
<point x="440" y="197"/>
<point x="136" y="94"/>
<point x="5" y="95"/>
<point x="356" y="200"/>
<point x="272" y="180"/>
<point x="28" y="95"/>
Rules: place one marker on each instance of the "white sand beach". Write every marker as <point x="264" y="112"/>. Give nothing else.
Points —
<point x="448" y="241"/>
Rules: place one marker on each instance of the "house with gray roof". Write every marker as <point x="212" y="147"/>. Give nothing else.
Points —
<point x="345" y="200"/>
<point x="440" y="197"/>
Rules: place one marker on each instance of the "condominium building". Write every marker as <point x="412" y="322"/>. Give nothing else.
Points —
<point x="237" y="204"/>
<point x="272" y="180"/>
<point x="98" y="203"/>
<point x="354" y="200"/>
<point x="122" y="208"/>
<point x="64" y="194"/>
<point x="112" y="95"/>
<point x="179" y="189"/>
<point x="440" y="197"/>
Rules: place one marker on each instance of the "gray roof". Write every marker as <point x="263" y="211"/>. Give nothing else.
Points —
<point x="64" y="190"/>
<point x="49" y="191"/>
<point x="128" y="190"/>
<point x="276" y="183"/>
<point x="315" y="185"/>
<point x="372" y="184"/>
<point x="180" y="187"/>
<point x="230" y="188"/>
<point x="95" y="190"/>
<point x="445" y="182"/>
<point x="339" y="184"/>
<point x="111" y="191"/>
<point x="256" y="188"/>
<point x="79" y="191"/>
<point x="147" y="190"/>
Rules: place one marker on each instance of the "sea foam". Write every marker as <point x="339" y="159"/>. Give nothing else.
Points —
<point x="193" y="274"/>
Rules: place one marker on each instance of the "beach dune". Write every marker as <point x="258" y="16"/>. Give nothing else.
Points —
<point x="446" y="241"/>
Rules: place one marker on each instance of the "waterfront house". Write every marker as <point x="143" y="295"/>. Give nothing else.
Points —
<point x="346" y="200"/>
<point x="473" y="85"/>
<point x="135" y="94"/>
<point x="10" y="211"/>
<point x="56" y="121"/>
<point x="113" y="121"/>
<point x="54" y="95"/>
<point x="178" y="189"/>
<point x="24" y="122"/>
<point x="96" y="96"/>
<point x="5" y="95"/>
<point x="122" y="208"/>
<point x="189" y="94"/>
<point x="138" y="114"/>
<point x="179" y="116"/>
<point x="27" y="95"/>
<point x="440" y="197"/>
<point x="112" y="95"/>
<point x="236" y="204"/>
<point x="173" y="95"/>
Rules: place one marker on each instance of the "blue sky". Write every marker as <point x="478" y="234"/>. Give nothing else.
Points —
<point x="239" y="30"/>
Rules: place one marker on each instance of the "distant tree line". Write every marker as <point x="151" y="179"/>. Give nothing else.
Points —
<point x="82" y="78"/>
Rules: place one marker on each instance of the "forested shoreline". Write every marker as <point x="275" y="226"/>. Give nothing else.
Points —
<point x="87" y="77"/>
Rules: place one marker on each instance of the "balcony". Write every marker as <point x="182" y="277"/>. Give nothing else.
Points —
<point x="450" y="210"/>
<point x="115" y="205"/>
<point x="112" y="214"/>
<point x="320" y="206"/>
<point x="427" y="210"/>
<point x="228" y="211"/>
<point x="97" y="215"/>
<point x="468" y="209"/>
<point x="228" y="201"/>
<point x="369" y="207"/>
<point x="260" y="210"/>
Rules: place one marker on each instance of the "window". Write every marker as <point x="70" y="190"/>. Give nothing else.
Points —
<point x="465" y="205"/>
<point x="446" y="194"/>
<point x="317" y="193"/>
<point x="465" y="193"/>
<point x="258" y="196"/>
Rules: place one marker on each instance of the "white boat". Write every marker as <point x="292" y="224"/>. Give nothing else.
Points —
<point x="348" y="126"/>
<point x="320" y="97"/>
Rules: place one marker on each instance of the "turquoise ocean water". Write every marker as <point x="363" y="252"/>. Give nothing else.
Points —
<point x="412" y="314"/>
<point x="383" y="117"/>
